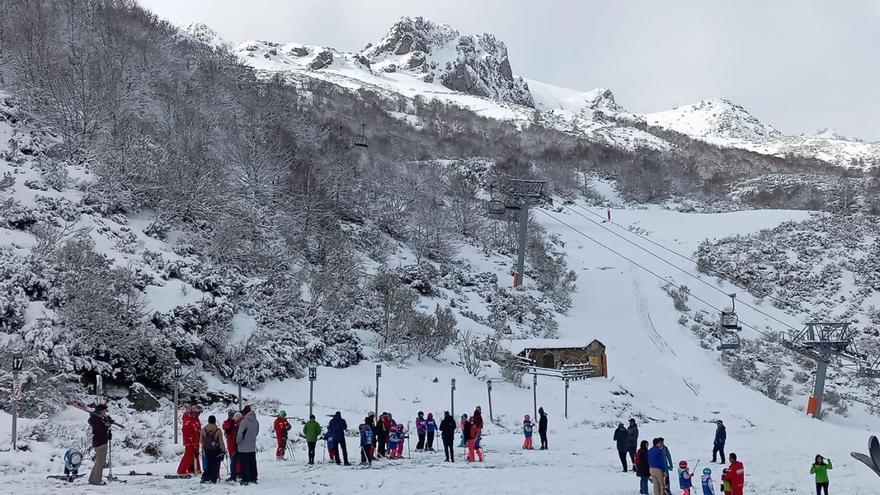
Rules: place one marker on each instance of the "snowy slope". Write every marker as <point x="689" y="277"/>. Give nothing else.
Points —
<point x="726" y="124"/>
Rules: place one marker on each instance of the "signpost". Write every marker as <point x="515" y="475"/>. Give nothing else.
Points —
<point x="378" y="374"/>
<point x="313" y="375"/>
<point x="178" y="372"/>
<point x="566" y="398"/>
<point x="452" y="397"/>
<point x="240" y="405"/>
<point x="17" y="365"/>
<point x="535" y="392"/>
<point x="489" y="388"/>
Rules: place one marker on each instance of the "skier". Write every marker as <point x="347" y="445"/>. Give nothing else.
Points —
<point x="735" y="475"/>
<point x="421" y="430"/>
<point x="99" y="421"/>
<point x="640" y="464"/>
<point x="366" y="433"/>
<point x="213" y="449"/>
<point x="477" y="419"/>
<point x="281" y="427"/>
<point x="393" y="440"/>
<point x="725" y="483"/>
<point x="382" y="433"/>
<point x="337" y="429"/>
<point x="331" y="445"/>
<point x="401" y="440"/>
<point x="708" y="484"/>
<point x="72" y="461"/>
<point x="432" y="429"/>
<point x="447" y="435"/>
<point x="464" y="431"/>
<point x="620" y="436"/>
<point x="473" y="434"/>
<point x="820" y="468"/>
<point x="190" y="430"/>
<point x="542" y="427"/>
<point x="230" y="428"/>
<point x="685" y="478"/>
<point x="527" y="432"/>
<point x="311" y="430"/>
<point x="632" y="433"/>
<point x="720" y="440"/>
<point x="246" y="439"/>
<point x="658" y="466"/>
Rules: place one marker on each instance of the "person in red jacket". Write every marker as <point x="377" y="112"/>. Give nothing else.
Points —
<point x="735" y="475"/>
<point x="191" y="429"/>
<point x="281" y="427"/>
<point x="230" y="429"/>
<point x="477" y="419"/>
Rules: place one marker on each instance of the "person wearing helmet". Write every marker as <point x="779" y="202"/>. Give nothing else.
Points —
<point x="462" y="423"/>
<point x="191" y="430"/>
<point x="528" y="428"/>
<point x="421" y="430"/>
<point x="281" y="427"/>
<point x="685" y="478"/>
<point x="431" y="427"/>
<point x="706" y="481"/>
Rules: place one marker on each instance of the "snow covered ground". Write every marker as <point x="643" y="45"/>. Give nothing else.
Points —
<point x="658" y="374"/>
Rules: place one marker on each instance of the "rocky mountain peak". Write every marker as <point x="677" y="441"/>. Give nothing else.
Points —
<point x="201" y="32"/>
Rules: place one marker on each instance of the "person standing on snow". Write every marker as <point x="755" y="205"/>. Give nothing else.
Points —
<point x="464" y="432"/>
<point x="668" y="462"/>
<point x="736" y="475"/>
<point x="528" y="428"/>
<point x="720" y="440"/>
<point x="431" y="430"/>
<point x="685" y="478"/>
<point x="230" y="428"/>
<point x="213" y="449"/>
<point x="477" y="419"/>
<point x="643" y="471"/>
<point x="622" y="439"/>
<point x="382" y="431"/>
<point x="337" y="428"/>
<point x="472" y="439"/>
<point x="100" y="424"/>
<point x="366" y="438"/>
<point x="312" y="431"/>
<point x="246" y="439"/>
<point x="658" y="467"/>
<point x="281" y="426"/>
<point x="190" y="431"/>
<point x="706" y="481"/>
<point x="632" y="433"/>
<point x="447" y="435"/>
<point x="820" y="468"/>
<point x="542" y="427"/>
<point x="421" y="430"/>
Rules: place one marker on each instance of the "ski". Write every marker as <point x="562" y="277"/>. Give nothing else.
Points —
<point x="65" y="477"/>
<point x="83" y="408"/>
<point x="178" y="476"/>
<point x="135" y="473"/>
<point x="867" y="461"/>
<point x="874" y="451"/>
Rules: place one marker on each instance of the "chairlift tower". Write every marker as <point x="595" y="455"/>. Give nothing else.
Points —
<point x="822" y="342"/>
<point x="521" y="193"/>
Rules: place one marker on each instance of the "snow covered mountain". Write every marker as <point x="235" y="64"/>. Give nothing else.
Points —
<point x="726" y="124"/>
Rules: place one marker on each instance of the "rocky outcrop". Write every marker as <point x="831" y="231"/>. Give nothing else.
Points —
<point x="322" y="60"/>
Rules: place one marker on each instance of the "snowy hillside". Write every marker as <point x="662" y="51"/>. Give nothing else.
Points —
<point x="724" y="123"/>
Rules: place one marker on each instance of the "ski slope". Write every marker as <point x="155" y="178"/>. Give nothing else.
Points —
<point x="658" y="374"/>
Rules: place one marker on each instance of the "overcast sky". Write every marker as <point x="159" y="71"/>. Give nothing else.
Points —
<point x="800" y="65"/>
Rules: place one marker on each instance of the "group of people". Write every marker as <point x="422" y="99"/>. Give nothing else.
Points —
<point x="529" y="428"/>
<point x="204" y="448"/>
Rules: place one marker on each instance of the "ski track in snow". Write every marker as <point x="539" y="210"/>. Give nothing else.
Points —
<point x="647" y="324"/>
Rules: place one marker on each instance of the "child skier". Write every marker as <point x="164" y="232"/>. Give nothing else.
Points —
<point x="527" y="432"/>
<point x="726" y="487"/>
<point x="684" y="478"/>
<point x="366" y="433"/>
<point x="331" y="451"/>
<point x="464" y="432"/>
<point x="393" y="440"/>
<point x="401" y="437"/>
<point x="706" y="479"/>
<point x="281" y="427"/>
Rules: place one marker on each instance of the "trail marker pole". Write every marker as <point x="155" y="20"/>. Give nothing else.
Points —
<point x="17" y="365"/>
<point x="178" y="372"/>
<point x="535" y="392"/>
<point x="489" y="389"/>
<point x="378" y="374"/>
<point x="452" y="397"/>
<point x="313" y="375"/>
<point x="566" y="398"/>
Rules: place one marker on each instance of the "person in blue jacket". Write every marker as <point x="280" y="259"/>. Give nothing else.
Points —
<point x="658" y="466"/>
<point x="720" y="440"/>
<point x="431" y="425"/>
<point x="336" y="429"/>
<point x="366" y="431"/>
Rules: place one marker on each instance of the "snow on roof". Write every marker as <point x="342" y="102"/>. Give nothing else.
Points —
<point x="519" y="345"/>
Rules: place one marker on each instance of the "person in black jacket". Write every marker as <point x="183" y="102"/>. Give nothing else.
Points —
<point x="542" y="428"/>
<point x="447" y="434"/>
<point x="622" y="439"/>
<point x="632" y="432"/>
<point x="100" y="423"/>
<point x="643" y="470"/>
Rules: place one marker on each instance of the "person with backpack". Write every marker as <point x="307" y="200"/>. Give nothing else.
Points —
<point x="641" y="467"/>
<point x="393" y="441"/>
<point x="431" y="428"/>
<point x="191" y="430"/>
<point x="246" y="439"/>
<point x="213" y="449"/>
<point x="820" y="469"/>
<point x="622" y="440"/>
<point x="720" y="440"/>
<point x="230" y="428"/>
<point x="477" y="419"/>
<point x="528" y="428"/>
<point x="632" y="434"/>
<point x="685" y="478"/>
<point x="542" y="427"/>
<point x="447" y="435"/>
<point x="473" y="435"/>
<point x="281" y="426"/>
<point x="337" y="428"/>
<point x="312" y="431"/>
<point x="100" y="423"/>
<point x="366" y="437"/>
<point x="421" y="430"/>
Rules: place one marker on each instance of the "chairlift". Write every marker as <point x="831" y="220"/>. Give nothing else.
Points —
<point x="497" y="209"/>
<point x="730" y="341"/>
<point x="729" y="319"/>
<point x="360" y="140"/>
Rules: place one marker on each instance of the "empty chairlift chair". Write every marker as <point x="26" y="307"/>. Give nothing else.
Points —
<point x="730" y="328"/>
<point x="360" y="140"/>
